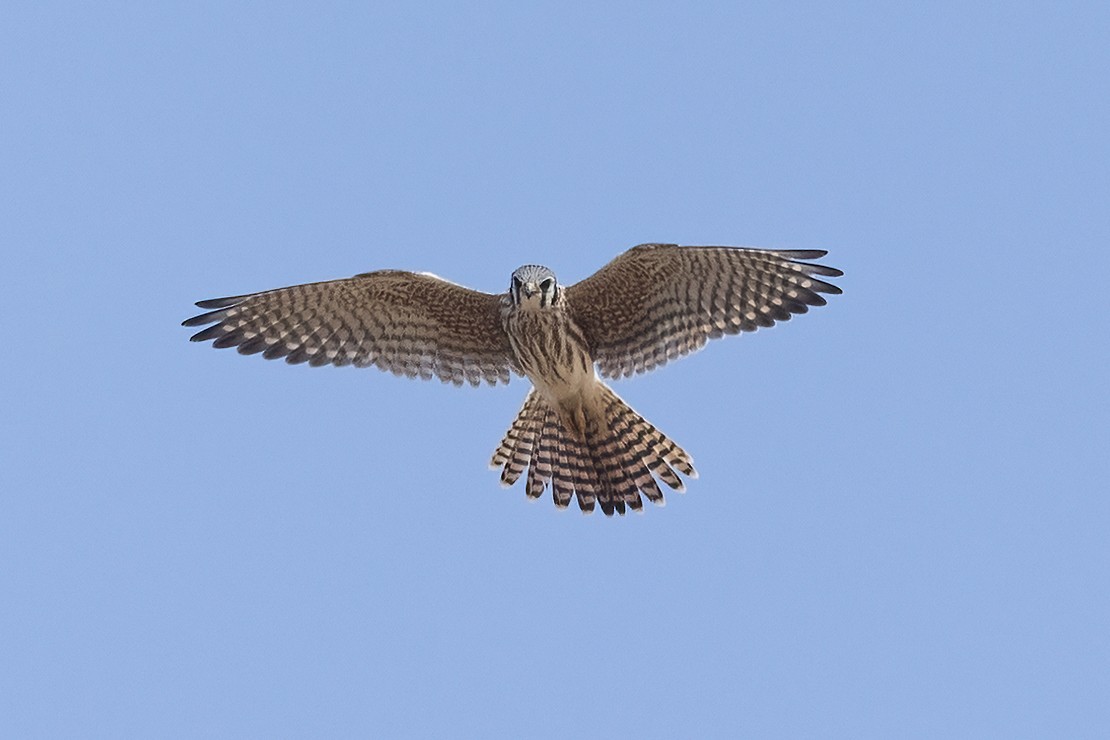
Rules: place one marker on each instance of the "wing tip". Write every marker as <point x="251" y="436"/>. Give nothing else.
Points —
<point x="201" y="319"/>
<point x="221" y="302"/>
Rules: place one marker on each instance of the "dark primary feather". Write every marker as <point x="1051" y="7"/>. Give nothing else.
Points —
<point x="657" y="302"/>
<point x="408" y="323"/>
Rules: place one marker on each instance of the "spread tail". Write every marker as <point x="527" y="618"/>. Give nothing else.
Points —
<point x="620" y="457"/>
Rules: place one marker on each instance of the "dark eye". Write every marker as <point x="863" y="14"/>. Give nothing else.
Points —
<point x="545" y="284"/>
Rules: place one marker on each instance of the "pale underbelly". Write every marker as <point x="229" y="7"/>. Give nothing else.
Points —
<point x="551" y="352"/>
<point x="560" y="384"/>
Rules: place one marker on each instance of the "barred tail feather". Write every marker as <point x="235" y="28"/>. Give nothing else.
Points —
<point x="619" y="459"/>
<point x="514" y="454"/>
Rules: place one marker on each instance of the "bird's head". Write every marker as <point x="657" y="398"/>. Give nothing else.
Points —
<point x="534" y="286"/>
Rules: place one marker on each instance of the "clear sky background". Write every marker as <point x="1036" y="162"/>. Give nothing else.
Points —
<point x="902" y="522"/>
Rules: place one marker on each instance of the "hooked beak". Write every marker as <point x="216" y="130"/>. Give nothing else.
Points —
<point x="529" y="289"/>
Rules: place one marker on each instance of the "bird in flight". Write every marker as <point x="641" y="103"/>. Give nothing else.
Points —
<point x="574" y="435"/>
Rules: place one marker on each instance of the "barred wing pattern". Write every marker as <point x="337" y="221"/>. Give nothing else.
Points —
<point x="657" y="302"/>
<point x="411" y="324"/>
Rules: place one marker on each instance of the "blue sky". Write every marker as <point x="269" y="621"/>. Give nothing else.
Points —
<point x="900" y="528"/>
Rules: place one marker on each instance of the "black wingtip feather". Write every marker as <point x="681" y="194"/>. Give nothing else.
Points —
<point x="221" y="302"/>
<point x="823" y="270"/>
<point x="205" y="318"/>
<point x="252" y="346"/>
<point x="297" y="356"/>
<point x="211" y="332"/>
<point x="803" y="254"/>
<point x="229" y="339"/>
<point x="822" y="287"/>
<point x="275" y="351"/>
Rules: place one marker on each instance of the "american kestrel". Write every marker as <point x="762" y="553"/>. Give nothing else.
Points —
<point x="650" y="305"/>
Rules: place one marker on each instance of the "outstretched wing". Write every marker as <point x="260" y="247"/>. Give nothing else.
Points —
<point x="411" y="324"/>
<point x="657" y="302"/>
